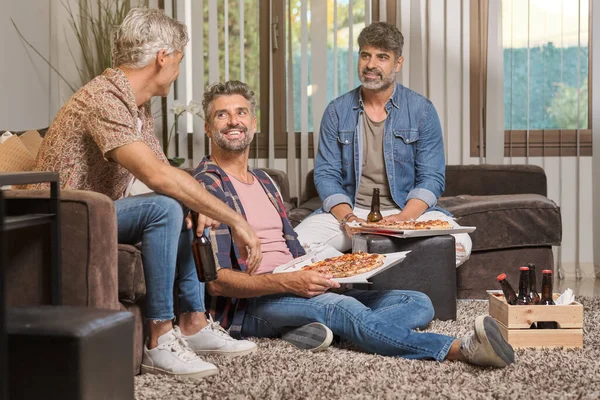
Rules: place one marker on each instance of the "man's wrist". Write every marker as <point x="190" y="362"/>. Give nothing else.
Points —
<point x="347" y="218"/>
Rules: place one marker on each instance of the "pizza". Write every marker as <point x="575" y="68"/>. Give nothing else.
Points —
<point x="347" y="264"/>
<point x="409" y="225"/>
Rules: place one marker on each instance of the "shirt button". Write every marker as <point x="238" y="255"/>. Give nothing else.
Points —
<point x="346" y="141"/>
<point x="405" y="140"/>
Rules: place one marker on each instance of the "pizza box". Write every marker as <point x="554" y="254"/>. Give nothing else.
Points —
<point x="296" y="264"/>
<point x="406" y="233"/>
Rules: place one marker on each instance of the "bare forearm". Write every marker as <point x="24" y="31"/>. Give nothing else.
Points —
<point x="139" y="159"/>
<point x="414" y="209"/>
<point x="238" y="284"/>
<point x="341" y="210"/>
<point x="183" y="187"/>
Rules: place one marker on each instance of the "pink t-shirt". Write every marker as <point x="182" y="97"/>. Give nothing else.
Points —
<point x="266" y="222"/>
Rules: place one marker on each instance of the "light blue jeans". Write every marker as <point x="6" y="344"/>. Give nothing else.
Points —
<point x="158" y="222"/>
<point x="380" y="322"/>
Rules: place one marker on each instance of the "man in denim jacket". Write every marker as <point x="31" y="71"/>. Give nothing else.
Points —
<point x="379" y="135"/>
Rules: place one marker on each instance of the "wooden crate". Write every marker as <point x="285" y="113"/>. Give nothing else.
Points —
<point x="515" y="323"/>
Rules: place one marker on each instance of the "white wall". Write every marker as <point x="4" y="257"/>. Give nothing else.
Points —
<point x="24" y="77"/>
<point x="31" y="92"/>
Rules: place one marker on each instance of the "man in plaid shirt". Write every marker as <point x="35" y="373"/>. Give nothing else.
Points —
<point x="300" y="306"/>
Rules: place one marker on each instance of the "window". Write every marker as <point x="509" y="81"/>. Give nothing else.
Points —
<point x="342" y="22"/>
<point x="546" y="77"/>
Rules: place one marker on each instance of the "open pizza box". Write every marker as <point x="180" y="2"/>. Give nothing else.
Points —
<point x="324" y="252"/>
<point x="405" y="233"/>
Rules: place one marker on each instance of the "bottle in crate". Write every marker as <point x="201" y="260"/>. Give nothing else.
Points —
<point x="533" y="293"/>
<point x="507" y="289"/>
<point x="523" y="298"/>
<point x="547" y="299"/>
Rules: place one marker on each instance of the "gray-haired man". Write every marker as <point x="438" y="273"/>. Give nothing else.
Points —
<point x="102" y="137"/>
<point x="379" y="135"/>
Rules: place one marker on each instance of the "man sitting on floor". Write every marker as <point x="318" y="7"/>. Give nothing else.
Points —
<point x="300" y="306"/>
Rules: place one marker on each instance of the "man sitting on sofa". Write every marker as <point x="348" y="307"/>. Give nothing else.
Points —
<point x="300" y="306"/>
<point x="102" y="137"/>
<point x="390" y="138"/>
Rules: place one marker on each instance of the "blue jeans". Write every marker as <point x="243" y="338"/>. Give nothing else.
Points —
<point x="158" y="222"/>
<point x="380" y="322"/>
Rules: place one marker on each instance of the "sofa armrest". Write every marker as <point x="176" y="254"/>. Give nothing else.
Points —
<point x="484" y="179"/>
<point x="88" y="252"/>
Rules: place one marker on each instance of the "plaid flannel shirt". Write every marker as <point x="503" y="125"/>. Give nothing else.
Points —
<point x="230" y="311"/>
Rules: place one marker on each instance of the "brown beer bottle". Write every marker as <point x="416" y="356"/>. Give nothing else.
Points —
<point x="523" y="298"/>
<point x="509" y="292"/>
<point x="203" y="254"/>
<point x="533" y="293"/>
<point x="375" y="214"/>
<point x="547" y="299"/>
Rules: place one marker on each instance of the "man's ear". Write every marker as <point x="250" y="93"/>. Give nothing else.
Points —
<point x="207" y="130"/>
<point x="254" y="123"/>
<point x="161" y="57"/>
<point x="399" y="63"/>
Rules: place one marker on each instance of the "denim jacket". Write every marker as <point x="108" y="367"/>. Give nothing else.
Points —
<point x="413" y="149"/>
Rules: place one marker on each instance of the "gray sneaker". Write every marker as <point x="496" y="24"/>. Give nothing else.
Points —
<point x="312" y="337"/>
<point x="487" y="347"/>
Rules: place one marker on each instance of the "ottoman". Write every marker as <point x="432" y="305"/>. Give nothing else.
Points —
<point x="429" y="268"/>
<point x="60" y="352"/>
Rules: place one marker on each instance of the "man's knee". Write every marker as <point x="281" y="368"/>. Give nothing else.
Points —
<point x="423" y="308"/>
<point x="166" y="208"/>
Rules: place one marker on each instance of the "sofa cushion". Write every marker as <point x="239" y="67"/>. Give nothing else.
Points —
<point x="15" y="157"/>
<point x="507" y="221"/>
<point x="132" y="285"/>
<point x="304" y="210"/>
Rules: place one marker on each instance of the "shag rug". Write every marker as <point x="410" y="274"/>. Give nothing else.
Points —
<point x="278" y="371"/>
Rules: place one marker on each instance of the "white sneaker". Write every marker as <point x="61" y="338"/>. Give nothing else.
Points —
<point x="213" y="339"/>
<point x="172" y="356"/>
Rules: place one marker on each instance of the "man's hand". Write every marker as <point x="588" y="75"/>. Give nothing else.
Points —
<point x="349" y="231"/>
<point x="308" y="283"/>
<point x="396" y="218"/>
<point x="203" y="222"/>
<point x="413" y="209"/>
<point x="248" y="243"/>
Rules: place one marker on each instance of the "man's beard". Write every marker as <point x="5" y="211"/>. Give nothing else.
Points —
<point x="233" y="145"/>
<point x="375" y="84"/>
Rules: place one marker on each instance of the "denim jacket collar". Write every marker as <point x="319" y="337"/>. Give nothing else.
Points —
<point x="394" y="99"/>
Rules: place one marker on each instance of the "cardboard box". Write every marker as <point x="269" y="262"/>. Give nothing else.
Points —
<point x="515" y="323"/>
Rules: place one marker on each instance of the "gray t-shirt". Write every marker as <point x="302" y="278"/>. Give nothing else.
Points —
<point x="373" y="168"/>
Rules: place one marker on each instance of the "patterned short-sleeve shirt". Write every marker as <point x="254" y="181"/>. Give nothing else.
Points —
<point x="99" y="117"/>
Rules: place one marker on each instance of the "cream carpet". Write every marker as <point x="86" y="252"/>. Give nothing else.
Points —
<point x="279" y="371"/>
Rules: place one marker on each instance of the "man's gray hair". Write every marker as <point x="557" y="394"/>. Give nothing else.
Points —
<point x="143" y="33"/>
<point x="227" y="89"/>
<point x="383" y="36"/>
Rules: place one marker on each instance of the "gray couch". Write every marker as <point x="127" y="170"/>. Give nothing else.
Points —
<point x="516" y="223"/>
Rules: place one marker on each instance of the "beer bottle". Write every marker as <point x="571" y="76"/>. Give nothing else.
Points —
<point x="533" y="293"/>
<point x="547" y="299"/>
<point x="523" y="296"/>
<point x="203" y="254"/>
<point x="509" y="292"/>
<point x="375" y="214"/>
